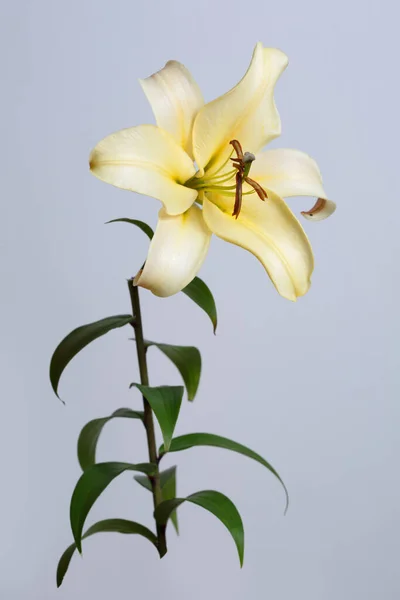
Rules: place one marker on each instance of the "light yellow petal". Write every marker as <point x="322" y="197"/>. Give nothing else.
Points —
<point x="246" y="113"/>
<point x="293" y="173"/>
<point x="176" y="252"/>
<point x="147" y="160"/>
<point x="270" y="231"/>
<point x="321" y="210"/>
<point x="175" y="99"/>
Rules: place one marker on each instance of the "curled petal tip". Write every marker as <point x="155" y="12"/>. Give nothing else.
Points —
<point x="321" y="210"/>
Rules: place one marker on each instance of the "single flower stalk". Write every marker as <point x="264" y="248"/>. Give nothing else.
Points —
<point x="197" y="161"/>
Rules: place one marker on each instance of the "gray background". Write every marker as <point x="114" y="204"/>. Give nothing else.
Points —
<point x="312" y="386"/>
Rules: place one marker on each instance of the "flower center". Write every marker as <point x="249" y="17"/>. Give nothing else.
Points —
<point x="230" y="183"/>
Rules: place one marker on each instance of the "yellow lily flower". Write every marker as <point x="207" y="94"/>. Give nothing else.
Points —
<point x="188" y="162"/>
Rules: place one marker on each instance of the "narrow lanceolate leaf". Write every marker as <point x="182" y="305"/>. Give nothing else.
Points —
<point x="143" y="226"/>
<point x="200" y="293"/>
<point x="191" y="440"/>
<point x="89" y="436"/>
<point x="187" y="360"/>
<point x="91" y="484"/>
<point x="165" y="477"/>
<point x="108" y="525"/>
<point x="216" y="503"/>
<point x="168" y="493"/>
<point x="166" y="402"/>
<point x="168" y="488"/>
<point x="77" y="340"/>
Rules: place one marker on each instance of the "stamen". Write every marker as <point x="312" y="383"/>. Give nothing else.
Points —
<point x="208" y="182"/>
<point x="262" y="194"/>
<point x="242" y="162"/>
<point x="233" y="194"/>
<point x="213" y="182"/>
<point x="238" y="195"/>
<point x="223" y="164"/>
<point x="218" y="188"/>
<point x="223" y="177"/>
<point x="238" y="148"/>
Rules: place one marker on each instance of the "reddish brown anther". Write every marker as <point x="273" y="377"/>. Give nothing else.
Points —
<point x="238" y="149"/>
<point x="242" y="163"/>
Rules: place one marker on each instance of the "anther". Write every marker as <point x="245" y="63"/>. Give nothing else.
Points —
<point x="242" y="162"/>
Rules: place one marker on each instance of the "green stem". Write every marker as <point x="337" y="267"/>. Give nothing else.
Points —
<point x="148" y="413"/>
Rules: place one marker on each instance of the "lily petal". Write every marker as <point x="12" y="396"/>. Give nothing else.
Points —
<point x="246" y="113"/>
<point x="176" y="253"/>
<point x="270" y="231"/>
<point x="175" y="99"/>
<point x="147" y="160"/>
<point x="293" y="173"/>
<point x="321" y="210"/>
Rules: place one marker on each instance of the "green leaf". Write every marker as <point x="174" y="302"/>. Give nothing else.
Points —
<point x="143" y="226"/>
<point x="166" y="402"/>
<point x="200" y="293"/>
<point x="168" y="493"/>
<point x="191" y="440"/>
<point x="77" y="340"/>
<point x="108" y="525"/>
<point x="168" y="488"/>
<point x="165" y="476"/>
<point x="90" y="485"/>
<point x="187" y="360"/>
<point x="89" y="436"/>
<point x="216" y="503"/>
